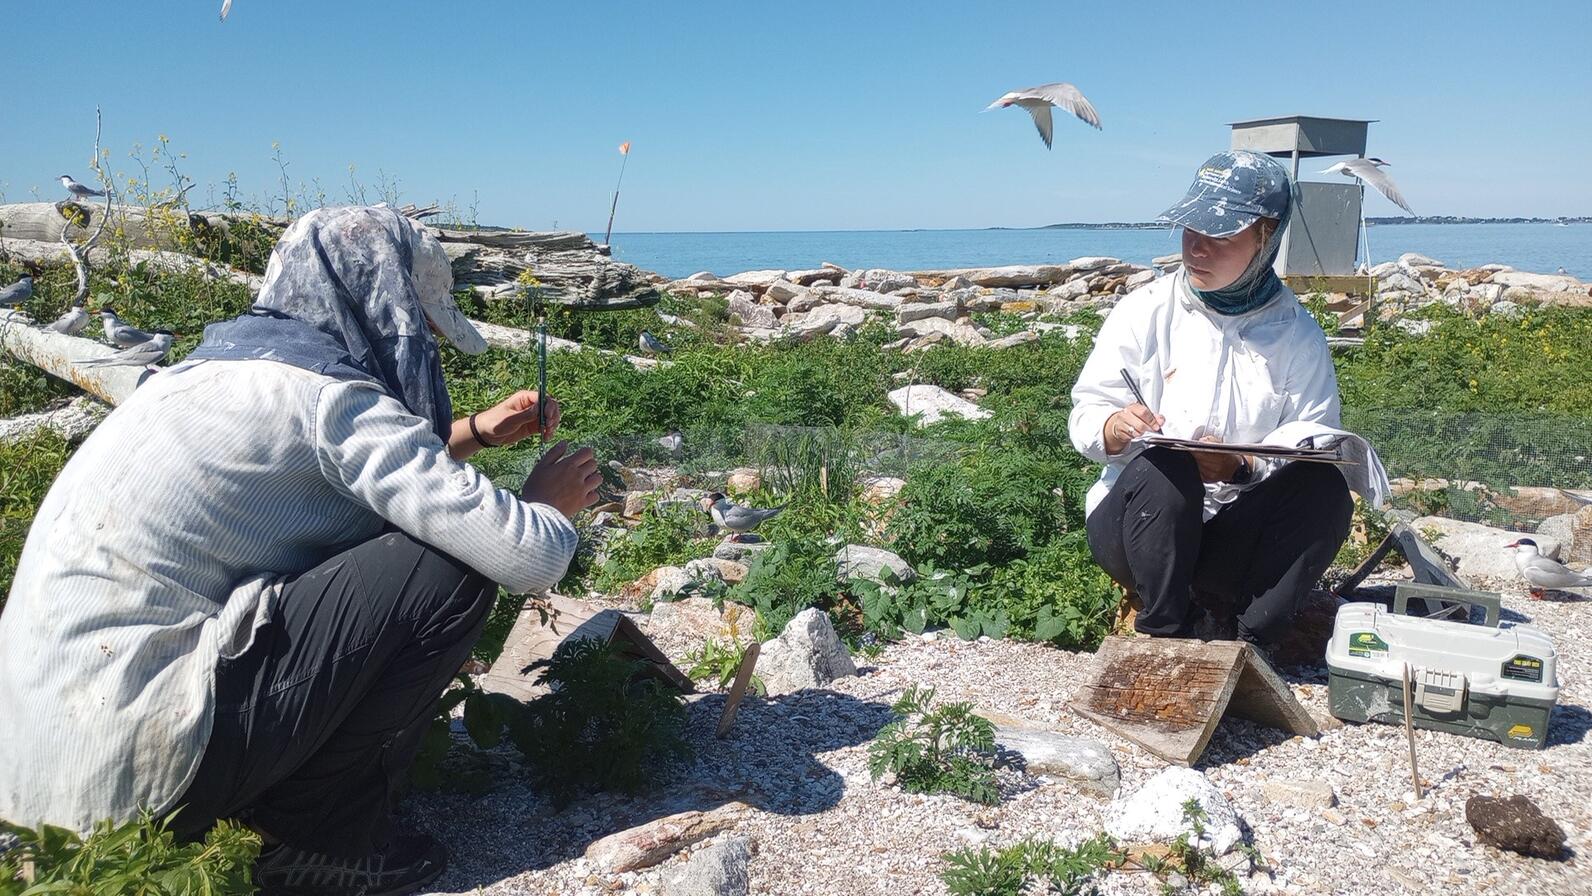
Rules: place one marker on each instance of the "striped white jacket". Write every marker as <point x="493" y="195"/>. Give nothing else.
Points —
<point x="162" y="546"/>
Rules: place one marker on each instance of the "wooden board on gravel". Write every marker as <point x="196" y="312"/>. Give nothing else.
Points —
<point x="1167" y="694"/>
<point x="545" y="624"/>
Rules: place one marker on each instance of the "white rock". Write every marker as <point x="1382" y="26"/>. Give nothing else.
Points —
<point x="703" y="276"/>
<point x="956" y="282"/>
<point x="706" y="569"/>
<point x="1300" y="794"/>
<point x="719" y="869"/>
<point x="1022" y="337"/>
<point x="878" y="280"/>
<point x="1137" y="280"/>
<point x="826" y="318"/>
<point x="1062" y="755"/>
<point x="1018" y="275"/>
<point x="1070" y="291"/>
<point x="861" y="298"/>
<point x="1154" y="812"/>
<point x="1506" y="308"/>
<point x="934" y="404"/>
<point x="919" y="310"/>
<point x="807" y="654"/>
<point x="1480" y="549"/>
<point x="1092" y="263"/>
<point x="1068" y="332"/>
<point x="1538" y="282"/>
<point x="880" y="490"/>
<point x="758" y="280"/>
<point x="1413" y="260"/>
<point x="783" y="291"/>
<point x="857" y="561"/>
<point x="1168" y="263"/>
<point x="751" y="314"/>
<point x="671" y="580"/>
<point x="961" y="333"/>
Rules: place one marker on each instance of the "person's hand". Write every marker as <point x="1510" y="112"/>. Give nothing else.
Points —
<point x="566" y="481"/>
<point x="514" y="418"/>
<point x="1216" y="466"/>
<point x="1128" y="424"/>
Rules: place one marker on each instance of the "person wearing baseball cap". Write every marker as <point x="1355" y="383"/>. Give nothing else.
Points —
<point x="246" y="590"/>
<point x="1220" y="350"/>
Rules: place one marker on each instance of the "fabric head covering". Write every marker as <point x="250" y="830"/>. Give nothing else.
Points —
<point x="345" y="295"/>
<point x="1232" y="191"/>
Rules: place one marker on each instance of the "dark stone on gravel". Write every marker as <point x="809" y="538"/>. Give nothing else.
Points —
<point x="1516" y="824"/>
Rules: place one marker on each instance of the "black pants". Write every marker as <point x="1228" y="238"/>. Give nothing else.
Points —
<point x="321" y="717"/>
<point x="1257" y="558"/>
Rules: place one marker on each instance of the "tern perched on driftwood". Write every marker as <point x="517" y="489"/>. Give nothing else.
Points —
<point x="1369" y="171"/>
<point x="1038" y="100"/>
<point x="140" y="354"/>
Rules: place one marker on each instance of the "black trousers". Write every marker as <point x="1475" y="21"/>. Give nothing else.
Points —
<point x="1257" y="558"/>
<point x="320" y="719"/>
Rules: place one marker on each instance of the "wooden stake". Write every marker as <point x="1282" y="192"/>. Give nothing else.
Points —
<point x="1409" y="731"/>
<point x="743" y="681"/>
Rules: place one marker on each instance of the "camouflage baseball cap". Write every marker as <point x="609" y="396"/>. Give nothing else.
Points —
<point x="1232" y="190"/>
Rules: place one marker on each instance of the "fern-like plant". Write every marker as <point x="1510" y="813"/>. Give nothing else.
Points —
<point x="944" y="750"/>
<point x="140" y="856"/>
<point x="1008" y="871"/>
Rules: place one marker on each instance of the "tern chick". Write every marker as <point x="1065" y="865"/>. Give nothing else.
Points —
<point x="1039" y="100"/>
<point x="736" y="518"/>
<point x="1544" y="572"/>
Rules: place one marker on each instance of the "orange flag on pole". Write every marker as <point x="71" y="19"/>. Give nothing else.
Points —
<point x="624" y="148"/>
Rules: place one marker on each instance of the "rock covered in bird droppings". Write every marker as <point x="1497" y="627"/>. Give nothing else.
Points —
<point x="1154" y="812"/>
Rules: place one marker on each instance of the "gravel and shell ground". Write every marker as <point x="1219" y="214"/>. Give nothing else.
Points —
<point x="820" y="825"/>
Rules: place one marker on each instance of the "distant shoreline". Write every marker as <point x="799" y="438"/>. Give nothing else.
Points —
<point x="1406" y="219"/>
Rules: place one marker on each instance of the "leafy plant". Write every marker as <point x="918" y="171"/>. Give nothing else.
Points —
<point x="1057" y="594"/>
<point x="785" y="579"/>
<point x="944" y="750"/>
<point x="665" y="536"/>
<point x="1009" y="870"/>
<point x="1195" y="862"/>
<point x="139" y="856"/>
<point x="27" y="469"/>
<point x="717" y="661"/>
<point x="607" y="723"/>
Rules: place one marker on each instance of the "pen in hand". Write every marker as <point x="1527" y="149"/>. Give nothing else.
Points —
<point x="1139" y="396"/>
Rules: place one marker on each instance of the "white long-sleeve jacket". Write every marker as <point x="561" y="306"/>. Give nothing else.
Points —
<point x="1235" y="377"/>
<point x="163" y="546"/>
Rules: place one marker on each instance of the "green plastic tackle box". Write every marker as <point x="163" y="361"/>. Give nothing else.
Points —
<point x="1498" y="682"/>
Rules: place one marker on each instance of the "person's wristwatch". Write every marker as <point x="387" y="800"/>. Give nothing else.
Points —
<point x="1243" y="474"/>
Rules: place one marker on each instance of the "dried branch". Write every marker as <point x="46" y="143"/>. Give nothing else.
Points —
<point x="70" y="213"/>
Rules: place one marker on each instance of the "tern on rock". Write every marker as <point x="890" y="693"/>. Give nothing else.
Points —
<point x="17" y="293"/>
<point x="1369" y="171"/>
<point x="71" y="323"/>
<point x="119" y="333"/>
<point x="77" y="190"/>
<point x="736" y="518"/>
<point x="1544" y="572"/>
<point x="142" y="354"/>
<point x="1038" y="100"/>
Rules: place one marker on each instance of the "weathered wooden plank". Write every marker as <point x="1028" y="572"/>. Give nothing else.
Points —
<point x="738" y="688"/>
<point x="543" y="625"/>
<point x="1168" y="694"/>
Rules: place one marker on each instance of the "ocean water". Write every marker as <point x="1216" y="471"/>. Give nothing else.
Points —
<point x="1541" y="248"/>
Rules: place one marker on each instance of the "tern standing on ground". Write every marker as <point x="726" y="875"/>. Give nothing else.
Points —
<point x="1544" y="572"/>
<point x="1038" y="100"/>
<point x="77" y="190"/>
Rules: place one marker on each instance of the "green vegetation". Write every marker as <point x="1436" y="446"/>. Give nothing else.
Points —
<point x="141" y="856"/>
<point x="944" y="750"/>
<point x="1011" y="870"/>
<point x="27" y="468"/>
<point x="1195" y="863"/>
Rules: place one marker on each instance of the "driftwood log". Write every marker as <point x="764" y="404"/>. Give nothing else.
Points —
<point x="57" y="354"/>
<point x="135" y="226"/>
<point x="38" y="253"/>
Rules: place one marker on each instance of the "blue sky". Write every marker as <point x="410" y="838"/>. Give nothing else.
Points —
<point x="813" y="115"/>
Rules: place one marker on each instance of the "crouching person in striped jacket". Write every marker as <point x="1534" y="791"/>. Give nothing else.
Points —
<point x="246" y="590"/>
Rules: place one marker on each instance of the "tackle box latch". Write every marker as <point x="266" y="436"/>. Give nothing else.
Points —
<point x="1437" y="691"/>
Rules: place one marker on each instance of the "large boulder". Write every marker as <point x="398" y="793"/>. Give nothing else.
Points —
<point x="807" y="654"/>
<point x="1480" y="549"/>
<point x="957" y="331"/>
<point x="750" y="313"/>
<point x="1053" y="754"/>
<point x="824" y="319"/>
<point x="915" y="311"/>
<point x="861" y="298"/>
<point x="878" y="280"/>
<point x="1543" y="283"/>
<point x="934" y="404"/>
<point x="1154" y="812"/>
<point x="857" y="561"/>
<point x="757" y="281"/>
